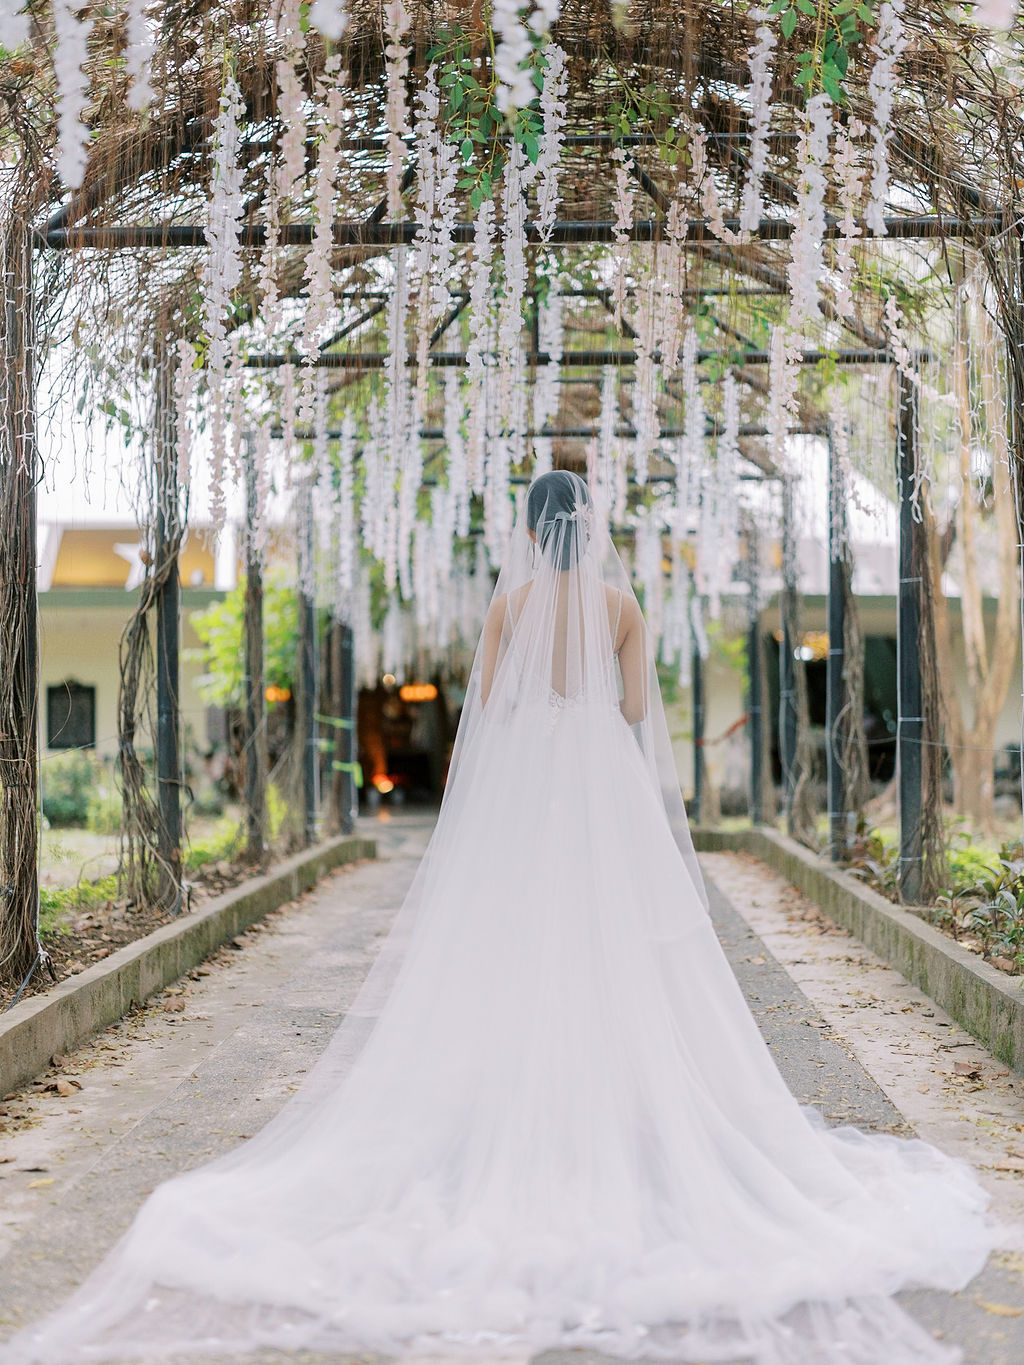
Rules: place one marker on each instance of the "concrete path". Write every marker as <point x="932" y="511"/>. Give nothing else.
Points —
<point x="188" y="1076"/>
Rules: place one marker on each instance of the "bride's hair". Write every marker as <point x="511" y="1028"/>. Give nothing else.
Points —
<point x="553" y="501"/>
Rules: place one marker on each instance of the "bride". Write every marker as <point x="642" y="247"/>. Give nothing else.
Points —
<point x="550" y="1119"/>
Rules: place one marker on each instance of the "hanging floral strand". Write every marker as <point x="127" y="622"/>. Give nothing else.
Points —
<point x="71" y="52"/>
<point x="221" y="275"/>
<point x="186" y="388"/>
<point x="346" y="532"/>
<point x="458" y="475"/>
<point x="888" y="48"/>
<point x="850" y="177"/>
<point x="480" y="341"/>
<point x="783" y="380"/>
<point x="760" y="60"/>
<point x="434" y="212"/>
<point x="397" y="67"/>
<point x="552" y="107"/>
<point x="291" y="101"/>
<point x="625" y="203"/>
<point x="138" y="54"/>
<point x="330" y="17"/>
<point x="647" y="369"/>
<point x="806" y="264"/>
<point x="319" y="276"/>
<point x="550" y="343"/>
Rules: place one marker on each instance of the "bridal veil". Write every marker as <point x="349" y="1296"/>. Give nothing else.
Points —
<point x="550" y="1119"/>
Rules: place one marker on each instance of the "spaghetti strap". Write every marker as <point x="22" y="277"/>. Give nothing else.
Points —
<point x="618" y="621"/>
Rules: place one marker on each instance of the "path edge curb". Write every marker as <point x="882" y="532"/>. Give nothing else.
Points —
<point x="78" y="1007"/>
<point x="986" y="1002"/>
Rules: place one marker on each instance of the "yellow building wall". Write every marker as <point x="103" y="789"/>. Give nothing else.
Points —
<point x="79" y="642"/>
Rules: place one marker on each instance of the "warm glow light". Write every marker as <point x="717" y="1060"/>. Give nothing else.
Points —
<point x="383" y="784"/>
<point x="274" y="693"/>
<point x="418" y="692"/>
<point x="388" y="680"/>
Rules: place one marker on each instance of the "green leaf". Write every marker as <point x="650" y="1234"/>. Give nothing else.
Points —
<point x="476" y="197"/>
<point x="780" y="6"/>
<point x="833" y="88"/>
<point x="804" y="75"/>
<point x="466" y="182"/>
<point x="806" y="7"/>
<point x="466" y="149"/>
<point x="865" y="13"/>
<point x="788" y="23"/>
<point x="531" y="146"/>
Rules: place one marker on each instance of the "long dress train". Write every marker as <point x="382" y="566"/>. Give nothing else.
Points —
<point x="550" y="1119"/>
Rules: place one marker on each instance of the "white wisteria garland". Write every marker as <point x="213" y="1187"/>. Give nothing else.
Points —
<point x="849" y="175"/>
<point x="222" y="273"/>
<point x="70" y="55"/>
<point x="806" y="264"/>
<point x="138" y="53"/>
<point x="760" y="60"/>
<point x="553" y="112"/>
<point x="888" y="47"/>
<point x="397" y="69"/>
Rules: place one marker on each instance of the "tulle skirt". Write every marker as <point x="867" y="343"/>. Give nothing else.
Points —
<point x="551" y="1121"/>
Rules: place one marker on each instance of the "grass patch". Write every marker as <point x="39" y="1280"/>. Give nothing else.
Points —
<point x="58" y="904"/>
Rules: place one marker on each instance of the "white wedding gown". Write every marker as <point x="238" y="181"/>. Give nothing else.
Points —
<point x="551" y="1119"/>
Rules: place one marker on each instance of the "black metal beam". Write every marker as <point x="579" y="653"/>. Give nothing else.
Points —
<point x="697" y="698"/>
<point x="711" y="428"/>
<point x="834" y="686"/>
<point x="910" y="723"/>
<point x="755" y="675"/>
<point x="376" y="360"/>
<point x="787" y="669"/>
<point x="307" y="708"/>
<point x="255" y="737"/>
<point x="376" y="235"/>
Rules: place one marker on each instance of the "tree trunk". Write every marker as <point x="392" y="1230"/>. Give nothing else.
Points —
<point x="20" y="950"/>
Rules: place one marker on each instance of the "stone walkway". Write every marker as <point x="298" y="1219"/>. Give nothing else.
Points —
<point x="207" y="1063"/>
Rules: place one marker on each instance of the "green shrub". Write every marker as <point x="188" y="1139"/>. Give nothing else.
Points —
<point x="221" y="846"/>
<point x="103" y="815"/>
<point x="67" y="782"/>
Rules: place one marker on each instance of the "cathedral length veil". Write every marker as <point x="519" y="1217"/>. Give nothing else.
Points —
<point x="550" y="1119"/>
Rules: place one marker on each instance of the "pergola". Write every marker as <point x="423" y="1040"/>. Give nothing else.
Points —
<point x="299" y="239"/>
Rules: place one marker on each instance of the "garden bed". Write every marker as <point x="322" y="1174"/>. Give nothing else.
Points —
<point x="83" y="921"/>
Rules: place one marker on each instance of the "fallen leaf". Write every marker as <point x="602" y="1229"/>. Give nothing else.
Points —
<point x="757" y="961"/>
<point x="64" y="1087"/>
<point x="175" y="1006"/>
<point x="59" y="1060"/>
<point x="1001" y="1310"/>
<point x="1009" y="1163"/>
<point x="38" y="1184"/>
<point x="970" y="1069"/>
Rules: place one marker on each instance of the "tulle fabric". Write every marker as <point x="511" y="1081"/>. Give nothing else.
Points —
<point x="550" y="1119"/>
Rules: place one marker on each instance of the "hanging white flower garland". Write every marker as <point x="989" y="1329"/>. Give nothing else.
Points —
<point x="849" y="175"/>
<point x="760" y="60"/>
<point x="553" y="112"/>
<point x="331" y="17"/>
<point x="888" y="47"/>
<point x="186" y="389"/>
<point x="222" y="273"/>
<point x="70" y="54"/>
<point x="319" y="275"/>
<point x="806" y="264"/>
<point x="397" y="70"/>
<point x="346" y="568"/>
<point x="138" y="56"/>
<point x="480" y="342"/>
